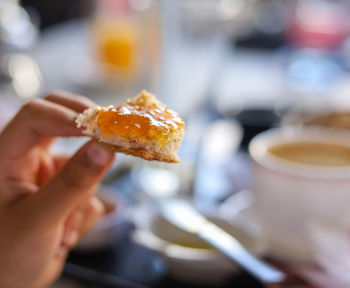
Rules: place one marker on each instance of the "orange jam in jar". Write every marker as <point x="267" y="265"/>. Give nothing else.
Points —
<point x="144" y="123"/>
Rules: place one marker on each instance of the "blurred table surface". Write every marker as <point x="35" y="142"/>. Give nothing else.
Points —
<point x="212" y="68"/>
<point x="217" y="68"/>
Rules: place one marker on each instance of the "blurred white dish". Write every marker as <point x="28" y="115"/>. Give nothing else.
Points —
<point x="108" y="228"/>
<point x="239" y="209"/>
<point x="190" y="259"/>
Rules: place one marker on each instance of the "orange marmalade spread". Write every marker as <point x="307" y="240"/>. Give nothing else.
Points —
<point x="137" y="119"/>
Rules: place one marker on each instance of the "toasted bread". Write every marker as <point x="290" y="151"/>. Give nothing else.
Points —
<point x="142" y="126"/>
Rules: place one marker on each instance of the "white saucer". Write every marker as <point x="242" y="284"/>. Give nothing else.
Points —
<point x="191" y="265"/>
<point x="239" y="209"/>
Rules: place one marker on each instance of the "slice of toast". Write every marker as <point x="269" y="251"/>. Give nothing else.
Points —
<point x="142" y="127"/>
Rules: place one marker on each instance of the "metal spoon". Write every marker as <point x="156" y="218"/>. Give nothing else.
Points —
<point x="184" y="216"/>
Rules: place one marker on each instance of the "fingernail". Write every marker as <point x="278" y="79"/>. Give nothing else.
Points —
<point x="72" y="238"/>
<point x="99" y="154"/>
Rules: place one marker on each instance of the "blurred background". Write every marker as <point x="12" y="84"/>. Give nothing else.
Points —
<point x="231" y="68"/>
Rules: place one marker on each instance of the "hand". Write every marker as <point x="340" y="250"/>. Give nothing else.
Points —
<point x="46" y="201"/>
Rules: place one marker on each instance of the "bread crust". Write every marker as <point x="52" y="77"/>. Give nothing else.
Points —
<point x="143" y="153"/>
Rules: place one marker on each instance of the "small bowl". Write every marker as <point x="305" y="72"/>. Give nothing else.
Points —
<point x="107" y="229"/>
<point x="190" y="259"/>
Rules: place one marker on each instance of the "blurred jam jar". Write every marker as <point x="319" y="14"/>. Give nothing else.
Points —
<point x="122" y="38"/>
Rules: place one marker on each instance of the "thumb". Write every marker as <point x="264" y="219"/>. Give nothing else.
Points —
<point x="73" y="182"/>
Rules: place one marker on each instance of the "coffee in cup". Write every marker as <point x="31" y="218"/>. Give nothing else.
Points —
<point x="313" y="153"/>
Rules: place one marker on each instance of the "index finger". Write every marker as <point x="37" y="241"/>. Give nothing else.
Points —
<point x="75" y="102"/>
<point x="35" y="120"/>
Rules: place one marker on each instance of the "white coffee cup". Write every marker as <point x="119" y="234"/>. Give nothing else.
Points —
<point x="288" y="195"/>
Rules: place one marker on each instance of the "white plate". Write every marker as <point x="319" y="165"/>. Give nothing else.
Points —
<point x="239" y="209"/>
<point x="191" y="265"/>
